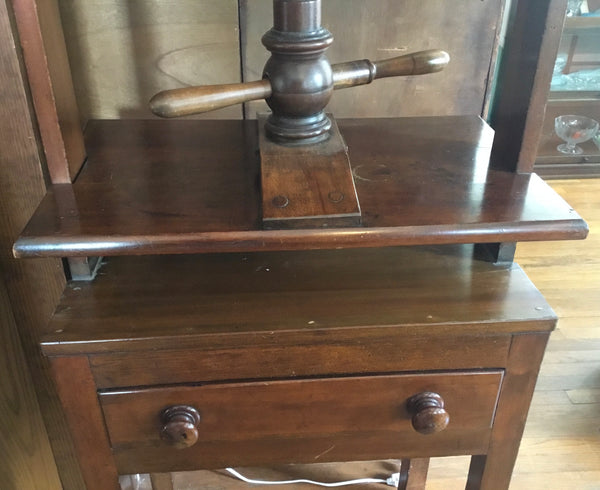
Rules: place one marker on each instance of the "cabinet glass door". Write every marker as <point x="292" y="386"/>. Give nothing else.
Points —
<point x="575" y="90"/>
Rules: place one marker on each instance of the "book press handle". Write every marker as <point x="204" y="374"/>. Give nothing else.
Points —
<point x="306" y="176"/>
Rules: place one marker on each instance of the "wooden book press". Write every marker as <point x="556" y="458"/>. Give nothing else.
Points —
<point x="306" y="177"/>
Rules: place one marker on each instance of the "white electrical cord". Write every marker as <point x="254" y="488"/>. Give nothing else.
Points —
<point x="392" y="481"/>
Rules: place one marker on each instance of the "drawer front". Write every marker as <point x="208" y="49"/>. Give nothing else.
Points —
<point x="301" y="421"/>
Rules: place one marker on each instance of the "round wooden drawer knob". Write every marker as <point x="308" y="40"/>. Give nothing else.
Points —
<point x="180" y="426"/>
<point x="428" y="414"/>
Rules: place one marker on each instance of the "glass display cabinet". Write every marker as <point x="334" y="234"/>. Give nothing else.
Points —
<point x="575" y="90"/>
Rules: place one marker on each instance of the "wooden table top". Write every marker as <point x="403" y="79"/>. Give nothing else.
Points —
<point x="243" y="298"/>
<point x="164" y="187"/>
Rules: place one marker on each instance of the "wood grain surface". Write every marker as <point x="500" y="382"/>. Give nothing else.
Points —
<point x="442" y="272"/>
<point x="191" y="186"/>
<point x="307" y="186"/>
<point x="494" y="470"/>
<point x="51" y="85"/>
<point x="122" y="53"/>
<point x="533" y="38"/>
<point x="559" y="449"/>
<point x="30" y="315"/>
<point x="387" y="28"/>
<point x="231" y="300"/>
<point x="252" y="422"/>
<point x="75" y="386"/>
<point x="26" y="459"/>
<point x="32" y="287"/>
<point x="413" y="473"/>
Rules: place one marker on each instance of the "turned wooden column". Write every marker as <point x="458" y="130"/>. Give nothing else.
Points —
<point x="300" y="74"/>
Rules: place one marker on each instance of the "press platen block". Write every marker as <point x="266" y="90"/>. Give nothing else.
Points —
<point x="307" y="186"/>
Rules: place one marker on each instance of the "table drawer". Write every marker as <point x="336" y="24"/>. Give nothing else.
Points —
<point x="311" y="420"/>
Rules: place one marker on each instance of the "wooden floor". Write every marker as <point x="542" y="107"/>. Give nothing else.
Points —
<point x="561" y="445"/>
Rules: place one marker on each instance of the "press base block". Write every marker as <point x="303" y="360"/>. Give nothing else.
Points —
<point x="307" y="186"/>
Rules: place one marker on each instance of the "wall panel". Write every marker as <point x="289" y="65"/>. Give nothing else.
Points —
<point x="379" y="29"/>
<point x="123" y="52"/>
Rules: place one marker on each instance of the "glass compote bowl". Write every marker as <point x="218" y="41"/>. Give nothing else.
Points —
<point x="574" y="129"/>
<point x="574" y="7"/>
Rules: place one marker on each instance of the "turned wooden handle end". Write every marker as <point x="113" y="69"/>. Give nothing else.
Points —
<point x="196" y="100"/>
<point x="421" y="63"/>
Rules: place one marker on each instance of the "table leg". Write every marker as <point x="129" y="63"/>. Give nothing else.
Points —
<point x="493" y="471"/>
<point x="161" y="481"/>
<point x="77" y="390"/>
<point x="413" y="474"/>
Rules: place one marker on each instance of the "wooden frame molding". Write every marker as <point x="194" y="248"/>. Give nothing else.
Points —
<point x="519" y="104"/>
<point x="52" y="91"/>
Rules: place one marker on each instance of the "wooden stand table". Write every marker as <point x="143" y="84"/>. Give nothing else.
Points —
<point x="297" y="357"/>
<point x="301" y="345"/>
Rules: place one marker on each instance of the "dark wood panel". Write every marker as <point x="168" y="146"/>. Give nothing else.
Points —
<point x="191" y="186"/>
<point x="524" y="75"/>
<point x="24" y="446"/>
<point x="122" y="53"/>
<point x="413" y="473"/>
<point x="33" y="287"/>
<point x="75" y="385"/>
<point x="234" y="300"/>
<point x="387" y="28"/>
<point x="51" y="85"/>
<point x="297" y="354"/>
<point x="372" y="409"/>
<point x="494" y="470"/>
<point x="277" y="451"/>
<point x="307" y="186"/>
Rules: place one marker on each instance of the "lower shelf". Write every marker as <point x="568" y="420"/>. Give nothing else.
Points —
<point x="574" y="170"/>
